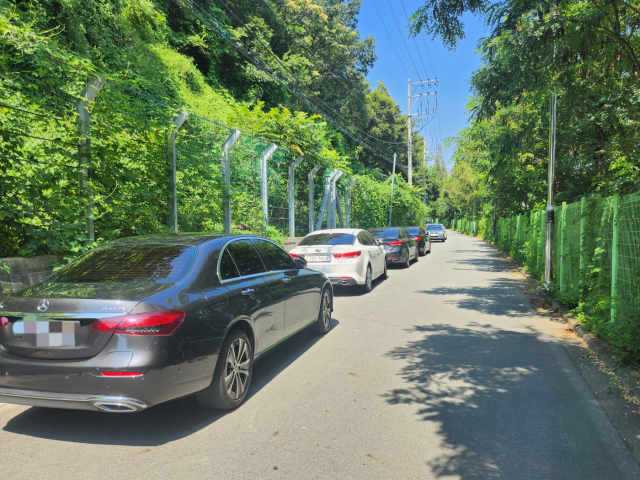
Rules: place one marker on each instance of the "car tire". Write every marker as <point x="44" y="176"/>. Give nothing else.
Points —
<point x="323" y="324"/>
<point x="385" y="275"/>
<point x="423" y="252"/>
<point x="368" y="280"/>
<point x="417" y="256"/>
<point x="407" y="264"/>
<point x="235" y="361"/>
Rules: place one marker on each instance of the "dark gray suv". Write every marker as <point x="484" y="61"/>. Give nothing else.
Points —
<point x="137" y="322"/>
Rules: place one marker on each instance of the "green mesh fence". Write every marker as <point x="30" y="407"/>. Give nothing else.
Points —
<point x="628" y="281"/>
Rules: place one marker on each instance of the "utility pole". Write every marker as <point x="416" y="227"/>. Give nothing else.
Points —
<point x="427" y="111"/>
<point x="393" y="177"/>
<point x="548" y="257"/>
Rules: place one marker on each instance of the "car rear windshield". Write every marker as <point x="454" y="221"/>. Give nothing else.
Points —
<point x="434" y="228"/>
<point x="385" y="232"/>
<point x="328" y="239"/>
<point x="412" y="230"/>
<point x="130" y="263"/>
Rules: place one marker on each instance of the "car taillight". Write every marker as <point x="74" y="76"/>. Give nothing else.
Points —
<point x="294" y="255"/>
<point x="393" y="244"/>
<point x="417" y="239"/>
<point x="160" y="323"/>
<point x="348" y="254"/>
<point x="121" y="374"/>
<point x="4" y="321"/>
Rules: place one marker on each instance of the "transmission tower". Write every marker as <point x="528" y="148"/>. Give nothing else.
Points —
<point x="421" y="85"/>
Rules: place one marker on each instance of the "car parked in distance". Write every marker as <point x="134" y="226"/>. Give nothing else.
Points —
<point x="347" y="256"/>
<point x="144" y="320"/>
<point x="437" y="232"/>
<point x="420" y="235"/>
<point x="398" y="245"/>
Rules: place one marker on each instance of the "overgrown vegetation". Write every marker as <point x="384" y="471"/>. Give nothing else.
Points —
<point x="589" y="53"/>
<point x="156" y="58"/>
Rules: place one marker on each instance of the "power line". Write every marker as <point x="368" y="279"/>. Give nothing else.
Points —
<point x="395" y="19"/>
<point x="390" y="39"/>
<point x="235" y="42"/>
<point x="337" y="78"/>
<point x="415" y="43"/>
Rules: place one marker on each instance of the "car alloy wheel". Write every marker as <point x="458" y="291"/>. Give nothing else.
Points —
<point x="323" y="324"/>
<point x="237" y="368"/>
<point x="368" y="280"/>
<point x="232" y="375"/>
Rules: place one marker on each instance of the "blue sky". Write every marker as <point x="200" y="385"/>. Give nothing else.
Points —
<point x="430" y="58"/>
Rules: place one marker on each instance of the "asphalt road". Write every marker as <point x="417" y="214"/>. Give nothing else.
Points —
<point x="443" y="371"/>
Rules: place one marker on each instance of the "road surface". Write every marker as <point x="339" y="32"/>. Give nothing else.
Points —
<point x="443" y="371"/>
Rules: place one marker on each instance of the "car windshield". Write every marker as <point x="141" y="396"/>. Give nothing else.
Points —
<point x="130" y="263"/>
<point x="412" y="230"/>
<point x="385" y="233"/>
<point x="434" y="228"/>
<point x="328" y="239"/>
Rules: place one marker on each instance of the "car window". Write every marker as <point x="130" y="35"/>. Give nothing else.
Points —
<point x="328" y="239"/>
<point x="434" y="228"/>
<point x="385" y="233"/>
<point x="276" y="258"/>
<point x="228" y="267"/>
<point x="403" y="235"/>
<point x="365" y="239"/>
<point x="129" y="264"/>
<point x="413" y="230"/>
<point x="246" y="257"/>
<point x="371" y="239"/>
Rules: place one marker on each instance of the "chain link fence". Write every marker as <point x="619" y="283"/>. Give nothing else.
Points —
<point x="596" y="259"/>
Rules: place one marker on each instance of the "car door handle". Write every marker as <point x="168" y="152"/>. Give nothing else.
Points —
<point x="247" y="291"/>
<point x="286" y="279"/>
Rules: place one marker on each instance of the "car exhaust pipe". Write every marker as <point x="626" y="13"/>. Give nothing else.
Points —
<point x="344" y="282"/>
<point x="119" y="405"/>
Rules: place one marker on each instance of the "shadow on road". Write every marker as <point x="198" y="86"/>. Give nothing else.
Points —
<point x="483" y="264"/>
<point x="501" y="406"/>
<point x="355" y="290"/>
<point x="161" y="424"/>
<point x="498" y="297"/>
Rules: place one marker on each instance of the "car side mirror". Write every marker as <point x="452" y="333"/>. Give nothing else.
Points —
<point x="378" y="243"/>
<point x="300" y="262"/>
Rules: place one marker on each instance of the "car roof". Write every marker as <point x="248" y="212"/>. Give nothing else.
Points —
<point x="175" y="239"/>
<point x="351" y="231"/>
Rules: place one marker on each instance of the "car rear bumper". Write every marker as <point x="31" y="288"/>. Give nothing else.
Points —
<point x="396" y="256"/>
<point x="343" y="281"/>
<point x="100" y="403"/>
<point x="351" y="272"/>
<point x="169" y="370"/>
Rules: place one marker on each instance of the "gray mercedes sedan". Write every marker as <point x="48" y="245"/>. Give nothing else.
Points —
<point x="144" y="320"/>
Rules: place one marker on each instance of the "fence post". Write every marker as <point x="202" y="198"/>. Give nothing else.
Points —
<point x="264" y="187"/>
<point x="334" y="201"/>
<point x="226" y="175"/>
<point x="347" y="201"/>
<point x="563" y="226"/>
<point x="614" y="257"/>
<point x="292" y="197"/>
<point x="583" y="252"/>
<point x="172" y="207"/>
<point x="518" y="229"/>
<point x="89" y="94"/>
<point x="312" y="174"/>
<point x="325" y="200"/>
<point x="543" y="236"/>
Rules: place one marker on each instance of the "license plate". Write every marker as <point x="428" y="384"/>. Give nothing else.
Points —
<point x="49" y="333"/>
<point x="318" y="258"/>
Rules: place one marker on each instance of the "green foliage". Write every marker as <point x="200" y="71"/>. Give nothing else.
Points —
<point x="370" y="201"/>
